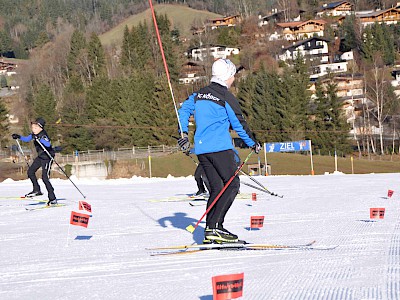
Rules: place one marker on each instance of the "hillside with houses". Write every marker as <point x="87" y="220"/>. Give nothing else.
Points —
<point x="321" y="41"/>
<point x="328" y="72"/>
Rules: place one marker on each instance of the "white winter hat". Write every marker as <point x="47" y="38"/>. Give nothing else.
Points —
<point x="223" y="69"/>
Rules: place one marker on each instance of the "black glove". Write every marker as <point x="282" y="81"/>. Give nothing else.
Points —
<point x="15" y="136"/>
<point x="184" y="143"/>
<point x="257" y="147"/>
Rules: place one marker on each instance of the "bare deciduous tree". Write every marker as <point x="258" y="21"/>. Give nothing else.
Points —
<point x="379" y="91"/>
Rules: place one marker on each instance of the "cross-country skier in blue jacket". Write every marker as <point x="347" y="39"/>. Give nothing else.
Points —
<point x="216" y="111"/>
<point x="43" y="160"/>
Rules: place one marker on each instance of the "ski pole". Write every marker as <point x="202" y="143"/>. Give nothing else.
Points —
<point x="257" y="182"/>
<point x="192" y="228"/>
<point x="254" y="187"/>
<point x="52" y="158"/>
<point x="263" y="189"/>
<point x="245" y="183"/>
<point x="260" y="184"/>
<point x="22" y="152"/>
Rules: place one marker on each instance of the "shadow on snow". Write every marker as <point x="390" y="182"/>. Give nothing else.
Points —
<point x="180" y="220"/>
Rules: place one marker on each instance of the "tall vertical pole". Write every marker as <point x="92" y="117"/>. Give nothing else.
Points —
<point x="265" y="159"/>
<point x="311" y="159"/>
<point x="165" y="64"/>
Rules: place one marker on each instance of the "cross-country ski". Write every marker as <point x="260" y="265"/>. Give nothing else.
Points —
<point x="114" y="246"/>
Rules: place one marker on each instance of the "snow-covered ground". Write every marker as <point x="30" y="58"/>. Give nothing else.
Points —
<point x="39" y="260"/>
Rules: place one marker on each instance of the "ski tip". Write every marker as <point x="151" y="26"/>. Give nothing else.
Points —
<point x="190" y="228"/>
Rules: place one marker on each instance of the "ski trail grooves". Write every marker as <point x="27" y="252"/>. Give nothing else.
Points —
<point x="393" y="272"/>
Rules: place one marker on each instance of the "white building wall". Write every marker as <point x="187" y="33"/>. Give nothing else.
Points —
<point x="199" y="54"/>
<point x="347" y="55"/>
<point x="330" y="68"/>
<point x="305" y="53"/>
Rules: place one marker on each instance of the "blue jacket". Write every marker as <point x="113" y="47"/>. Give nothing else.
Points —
<point x="215" y="111"/>
<point x="43" y="138"/>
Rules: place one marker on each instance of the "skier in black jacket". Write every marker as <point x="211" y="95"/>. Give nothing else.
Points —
<point x="42" y="142"/>
<point x="215" y="111"/>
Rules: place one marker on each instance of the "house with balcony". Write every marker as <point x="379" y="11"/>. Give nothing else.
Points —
<point x="387" y="16"/>
<point x="7" y="68"/>
<point x="293" y="31"/>
<point x="336" y="9"/>
<point x="228" y="21"/>
<point x="215" y="51"/>
<point x="313" y="49"/>
<point x="273" y="17"/>
<point x="328" y="68"/>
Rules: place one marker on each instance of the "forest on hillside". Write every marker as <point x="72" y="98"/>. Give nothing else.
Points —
<point x="94" y="97"/>
<point x="27" y="24"/>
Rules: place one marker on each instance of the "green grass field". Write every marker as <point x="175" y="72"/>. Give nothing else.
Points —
<point x="179" y="164"/>
<point x="281" y="164"/>
<point x="181" y="17"/>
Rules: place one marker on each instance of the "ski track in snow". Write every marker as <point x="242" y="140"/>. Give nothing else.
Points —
<point x="39" y="262"/>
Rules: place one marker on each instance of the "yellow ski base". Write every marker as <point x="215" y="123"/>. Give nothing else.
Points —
<point x="190" y="228"/>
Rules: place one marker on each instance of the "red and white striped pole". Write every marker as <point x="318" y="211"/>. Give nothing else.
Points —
<point x="165" y="63"/>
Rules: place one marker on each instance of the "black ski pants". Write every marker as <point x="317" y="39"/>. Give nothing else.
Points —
<point x="219" y="168"/>
<point x="201" y="179"/>
<point x="45" y="164"/>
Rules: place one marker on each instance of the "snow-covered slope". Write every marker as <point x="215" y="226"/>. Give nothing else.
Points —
<point x="40" y="257"/>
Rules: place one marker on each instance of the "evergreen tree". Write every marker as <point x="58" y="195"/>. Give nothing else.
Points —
<point x="378" y="38"/>
<point x="246" y="88"/>
<point x="263" y="107"/>
<point x="368" y="46"/>
<point x="96" y="56"/>
<point x="136" y="50"/>
<point x="3" y="121"/>
<point x="5" y="43"/>
<point x="142" y="46"/>
<point x="349" y="35"/>
<point x="3" y="81"/>
<point x="295" y="82"/>
<point x="42" y="39"/>
<point x="162" y="104"/>
<point x="74" y="111"/>
<point x="229" y="36"/>
<point x="44" y="105"/>
<point x="330" y="126"/>
<point x="126" y="48"/>
<point x="389" y="50"/>
<point x="78" y="43"/>
<point x="164" y="25"/>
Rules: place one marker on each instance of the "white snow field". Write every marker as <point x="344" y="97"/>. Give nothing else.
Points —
<point x="109" y="259"/>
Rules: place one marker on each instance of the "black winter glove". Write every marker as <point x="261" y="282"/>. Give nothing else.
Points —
<point x="257" y="147"/>
<point x="15" y="136"/>
<point x="184" y="143"/>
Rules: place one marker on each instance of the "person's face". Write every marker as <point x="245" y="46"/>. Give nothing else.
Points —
<point x="230" y="81"/>
<point x="36" y="128"/>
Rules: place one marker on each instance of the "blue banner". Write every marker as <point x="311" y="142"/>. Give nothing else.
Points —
<point x="288" y="146"/>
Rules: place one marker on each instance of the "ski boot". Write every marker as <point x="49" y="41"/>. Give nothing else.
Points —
<point x="34" y="194"/>
<point x="219" y="235"/>
<point x="52" y="202"/>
